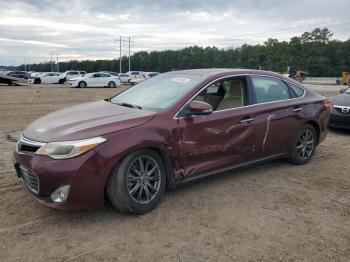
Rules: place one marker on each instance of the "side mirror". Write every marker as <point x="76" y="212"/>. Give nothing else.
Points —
<point x="342" y="91"/>
<point x="199" y="108"/>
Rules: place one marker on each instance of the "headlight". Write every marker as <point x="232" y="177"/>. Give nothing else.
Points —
<point x="68" y="149"/>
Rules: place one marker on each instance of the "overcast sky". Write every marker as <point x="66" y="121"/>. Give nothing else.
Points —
<point x="87" y="29"/>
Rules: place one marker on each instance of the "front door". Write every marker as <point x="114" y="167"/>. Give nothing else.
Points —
<point x="222" y="139"/>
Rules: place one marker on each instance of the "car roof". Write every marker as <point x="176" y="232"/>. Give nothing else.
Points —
<point x="211" y="72"/>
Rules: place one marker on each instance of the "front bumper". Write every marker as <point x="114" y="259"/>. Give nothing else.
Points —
<point x="86" y="175"/>
<point x="340" y="121"/>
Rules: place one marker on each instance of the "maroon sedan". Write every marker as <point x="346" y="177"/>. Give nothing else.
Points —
<point x="168" y="130"/>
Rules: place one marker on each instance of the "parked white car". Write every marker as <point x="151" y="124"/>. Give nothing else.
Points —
<point x="124" y="77"/>
<point x="128" y="76"/>
<point x="46" y="78"/>
<point x="95" y="80"/>
<point x="71" y="74"/>
<point x="143" y="77"/>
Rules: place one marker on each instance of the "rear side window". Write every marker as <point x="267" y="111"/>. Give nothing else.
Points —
<point x="298" y="91"/>
<point x="268" y="89"/>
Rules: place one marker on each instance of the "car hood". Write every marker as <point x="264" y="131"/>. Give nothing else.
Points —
<point x="340" y="100"/>
<point x="85" y="121"/>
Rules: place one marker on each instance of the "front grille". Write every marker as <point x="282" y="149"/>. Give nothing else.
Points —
<point x="28" y="177"/>
<point x="342" y="109"/>
<point x="28" y="146"/>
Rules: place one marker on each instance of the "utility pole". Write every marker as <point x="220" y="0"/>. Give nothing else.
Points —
<point x="120" y="52"/>
<point x="120" y="55"/>
<point x="129" y="56"/>
<point x="58" y="65"/>
<point x="24" y="64"/>
<point x="29" y="64"/>
<point x="51" y="63"/>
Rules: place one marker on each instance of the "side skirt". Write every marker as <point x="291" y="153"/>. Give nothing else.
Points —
<point x="232" y="168"/>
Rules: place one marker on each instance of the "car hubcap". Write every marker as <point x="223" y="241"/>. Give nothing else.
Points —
<point x="305" y="144"/>
<point x="143" y="179"/>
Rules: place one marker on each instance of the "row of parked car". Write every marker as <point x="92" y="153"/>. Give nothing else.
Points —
<point x="83" y="79"/>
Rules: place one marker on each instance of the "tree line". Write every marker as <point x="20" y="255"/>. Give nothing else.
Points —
<point x="314" y="52"/>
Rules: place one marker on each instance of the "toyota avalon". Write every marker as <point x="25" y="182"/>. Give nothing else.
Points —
<point x="171" y="129"/>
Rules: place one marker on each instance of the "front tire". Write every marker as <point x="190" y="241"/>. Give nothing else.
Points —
<point x="137" y="184"/>
<point x="304" y="146"/>
<point x="82" y="84"/>
<point x="37" y="81"/>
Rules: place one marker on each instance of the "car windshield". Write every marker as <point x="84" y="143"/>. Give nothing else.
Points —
<point x="158" y="93"/>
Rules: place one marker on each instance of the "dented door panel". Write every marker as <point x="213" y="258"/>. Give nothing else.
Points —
<point x="216" y="141"/>
<point x="279" y="124"/>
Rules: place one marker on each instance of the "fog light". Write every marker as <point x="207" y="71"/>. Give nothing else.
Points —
<point x="60" y="194"/>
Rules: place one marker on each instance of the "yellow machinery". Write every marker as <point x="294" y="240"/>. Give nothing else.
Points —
<point x="297" y="75"/>
<point x="345" y="78"/>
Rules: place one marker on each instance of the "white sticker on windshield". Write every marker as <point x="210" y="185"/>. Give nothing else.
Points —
<point x="182" y="80"/>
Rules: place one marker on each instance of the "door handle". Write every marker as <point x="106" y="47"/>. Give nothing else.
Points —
<point x="297" y="109"/>
<point x="247" y="120"/>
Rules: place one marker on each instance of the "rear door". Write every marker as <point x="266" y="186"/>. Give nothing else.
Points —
<point x="277" y="115"/>
<point x="44" y="78"/>
<point x="50" y="78"/>
<point x="94" y="80"/>
<point x="55" y="78"/>
<point x="105" y="79"/>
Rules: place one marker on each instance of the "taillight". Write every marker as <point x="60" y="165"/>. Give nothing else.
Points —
<point x="327" y="104"/>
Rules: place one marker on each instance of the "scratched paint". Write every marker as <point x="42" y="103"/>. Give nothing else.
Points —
<point x="268" y="121"/>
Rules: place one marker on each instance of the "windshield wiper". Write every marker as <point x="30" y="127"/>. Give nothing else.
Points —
<point x="129" y="105"/>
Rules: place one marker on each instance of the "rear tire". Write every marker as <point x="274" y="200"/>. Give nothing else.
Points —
<point x="82" y="84"/>
<point x="133" y="187"/>
<point x="304" y="145"/>
<point x="37" y="81"/>
<point x="112" y="84"/>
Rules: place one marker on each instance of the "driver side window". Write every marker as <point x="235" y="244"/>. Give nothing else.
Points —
<point x="224" y="94"/>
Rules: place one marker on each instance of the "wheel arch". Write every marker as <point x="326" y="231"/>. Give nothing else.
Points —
<point x="315" y="125"/>
<point x="81" y="81"/>
<point x="112" y="81"/>
<point x="169" y="167"/>
<point x="168" y="163"/>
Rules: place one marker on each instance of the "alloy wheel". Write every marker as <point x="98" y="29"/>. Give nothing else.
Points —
<point x="305" y="144"/>
<point x="143" y="179"/>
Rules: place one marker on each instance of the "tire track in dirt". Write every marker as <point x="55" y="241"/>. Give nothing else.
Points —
<point x="26" y="224"/>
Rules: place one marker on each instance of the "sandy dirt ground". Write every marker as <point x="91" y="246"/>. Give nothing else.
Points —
<point x="274" y="212"/>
